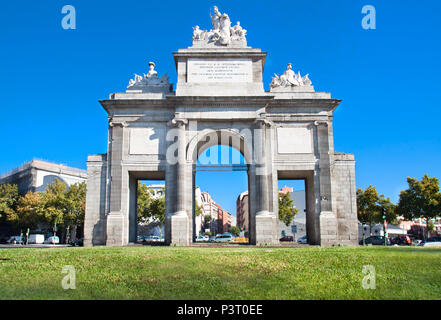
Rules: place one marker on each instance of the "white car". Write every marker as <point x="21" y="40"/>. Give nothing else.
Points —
<point x="202" y="238"/>
<point x="36" y="239"/>
<point x="52" y="240"/>
<point x="224" y="238"/>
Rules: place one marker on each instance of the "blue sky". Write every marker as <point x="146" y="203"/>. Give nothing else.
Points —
<point x="51" y="79"/>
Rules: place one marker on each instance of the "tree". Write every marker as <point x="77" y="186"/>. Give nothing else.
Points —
<point x="54" y="204"/>
<point x="144" y="200"/>
<point x="28" y="212"/>
<point x="370" y="207"/>
<point x="235" y="230"/>
<point x="8" y="200"/>
<point x="207" y="220"/>
<point x="150" y="207"/>
<point x="421" y="200"/>
<point x="76" y="207"/>
<point x="157" y="209"/>
<point x="197" y="210"/>
<point x="287" y="210"/>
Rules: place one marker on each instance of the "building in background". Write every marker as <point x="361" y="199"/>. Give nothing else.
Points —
<point x="242" y="211"/>
<point x="220" y="218"/>
<point x="36" y="175"/>
<point x="297" y="228"/>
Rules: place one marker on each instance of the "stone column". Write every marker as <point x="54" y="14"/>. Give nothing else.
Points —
<point x="266" y="221"/>
<point x="95" y="217"/>
<point x="327" y="218"/>
<point x="117" y="226"/>
<point x="179" y="219"/>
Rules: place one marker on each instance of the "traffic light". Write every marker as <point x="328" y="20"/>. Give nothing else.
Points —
<point x="384" y="226"/>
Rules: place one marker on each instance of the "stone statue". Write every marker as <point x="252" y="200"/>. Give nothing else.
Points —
<point x="152" y="72"/>
<point x="215" y="19"/>
<point x="149" y="80"/>
<point x="290" y="78"/>
<point x="199" y="34"/>
<point x="135" y="80"/>
<point x="221" y="34"/>
<point x="238" y="32"/>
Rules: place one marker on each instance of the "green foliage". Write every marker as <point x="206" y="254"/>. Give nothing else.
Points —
<point x="76" y="203"/>
<point x="208" y="233"/>
<point x="28" y="213"/>
<point x="57" y="206"/>
<point x="197" y="210"/>
<point x="8" y="200"/>
<point x="235" y="230"/>
<point x="54" y="203"/>
<point x="287" y="210"/>
<point x="150" y="207"/>
<point x="157" y="209"/>
<point x="421" y="200"/>
<point x="370" y="206"/>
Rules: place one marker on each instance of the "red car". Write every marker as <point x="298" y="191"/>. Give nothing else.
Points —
<point x="287" y="238"/>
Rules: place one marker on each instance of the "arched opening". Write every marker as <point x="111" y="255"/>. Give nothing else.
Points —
<point x="221" y="191"/>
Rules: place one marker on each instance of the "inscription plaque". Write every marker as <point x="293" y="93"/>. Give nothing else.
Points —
<point x="219" y="70"/>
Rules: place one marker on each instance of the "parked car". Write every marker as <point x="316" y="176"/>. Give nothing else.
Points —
<point x="224" y="238"/>
<point x="16" y="240"/>
<point x="434" y="239"/>
<point x="401" y="241"/>
<point x="36" y="239"/>
<point x="78" y="242"/>
<point x="201" y="239"/>
<point x="375" y="241"/>
<point x="287" y="239"/>
<point x="52" y="240"/>
<point x="303" y="240"/>
<point x="212" y="238"/>
<point x="151" y="239"/>
<point x="431" y="244"/>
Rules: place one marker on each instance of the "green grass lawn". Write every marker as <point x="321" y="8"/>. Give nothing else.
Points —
<point x="221" y="273"/>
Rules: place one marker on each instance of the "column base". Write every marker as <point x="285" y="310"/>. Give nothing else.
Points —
<point x="266" y="229"/>
<point x="115" y="230"/>
<point x="328" y="228"/>
<point x="179" y="229"/>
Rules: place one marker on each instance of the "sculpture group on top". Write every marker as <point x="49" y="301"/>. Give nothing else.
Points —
<point x="222" y="34"/>
<point x="290" y="79"/>
<point x="147" y="80"/>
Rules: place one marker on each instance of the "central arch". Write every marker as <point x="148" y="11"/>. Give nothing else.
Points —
<point x="238" y="140"/>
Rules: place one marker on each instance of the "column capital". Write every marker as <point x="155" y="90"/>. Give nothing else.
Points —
<point x="321" y="123"/>
<point x="263" y="121"/>
<point x="177" y="122"/>
<point x="116" y="123"/>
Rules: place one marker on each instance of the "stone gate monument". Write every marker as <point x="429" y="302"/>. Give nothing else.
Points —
<point x="156" y="132"/>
